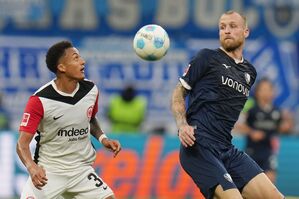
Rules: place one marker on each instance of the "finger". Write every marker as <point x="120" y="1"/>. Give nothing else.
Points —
<point x="118" y="146"/>
<point x="189" y="140"/>
<point x="183" y="142"/>
<point x="192" y="137"/>
<point x="190" y="133"/>
<point x="116" y="152"/>
<point x="43" y="181"/>
<point x="45" y="178"/>
<point x="38" y="185"/>
<point x="113" y="145"/>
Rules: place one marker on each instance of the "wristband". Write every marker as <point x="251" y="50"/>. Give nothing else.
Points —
<point x="102" y="137"/>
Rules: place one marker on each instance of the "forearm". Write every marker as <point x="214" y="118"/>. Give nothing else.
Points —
<point x="178" y="105"/>
<point x="95" y="128"/>
<point x="287" y="123"/>
<point x="243" y="128"/>
<point x="24" y="154"/>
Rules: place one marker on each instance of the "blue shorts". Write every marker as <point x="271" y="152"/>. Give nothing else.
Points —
<point x="210" y="164"/>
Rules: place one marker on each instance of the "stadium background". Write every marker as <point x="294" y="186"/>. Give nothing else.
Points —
<point x="103" y="31"/>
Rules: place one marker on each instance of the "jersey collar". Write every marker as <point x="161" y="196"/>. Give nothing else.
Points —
<point x="237" y="61"/>
<point x="63" y="93"/>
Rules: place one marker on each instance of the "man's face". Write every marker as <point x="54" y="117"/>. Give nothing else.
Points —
<point x="232" y="31"/>
<point x="265" y="92"/>
<point x="72" y="64"/>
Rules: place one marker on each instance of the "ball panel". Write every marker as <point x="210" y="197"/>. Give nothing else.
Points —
<point x="150" y="28"/>
<point x="151" y="58"/>
<point x="140" y="43"/>
<point x="158" y="42"/>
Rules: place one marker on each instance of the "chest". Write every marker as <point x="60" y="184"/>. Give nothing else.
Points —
<point x="264" y="120"/>
<point x="231" y="78"/>
<point x="63" y="115"/>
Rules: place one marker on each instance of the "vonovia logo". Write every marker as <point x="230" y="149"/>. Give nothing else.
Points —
<point x="89" y="111"/>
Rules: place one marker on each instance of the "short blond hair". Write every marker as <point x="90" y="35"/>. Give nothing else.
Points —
<point x="229" y="12"/>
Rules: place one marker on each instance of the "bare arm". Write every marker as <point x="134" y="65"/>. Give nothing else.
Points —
<point x="287" y="124"/>
<point x="95" y="128"/>
<point x="37" y="173"/>
<point x="96" y="131"/>
<point x="178" y="105"/>
<point x="185" y="132"/>
<point x="241" y="126"/>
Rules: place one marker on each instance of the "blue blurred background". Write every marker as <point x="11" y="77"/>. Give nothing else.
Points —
<point x="103" y="31"/>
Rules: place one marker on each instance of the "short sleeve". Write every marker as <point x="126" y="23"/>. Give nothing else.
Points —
<point x="95" y="107"/>
<point x="32" y="115"/>
<point x="197" y="67"/>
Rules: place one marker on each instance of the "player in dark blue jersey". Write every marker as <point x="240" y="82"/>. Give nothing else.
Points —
<point x="262" y="122"/>
<point x="217" y="83"/>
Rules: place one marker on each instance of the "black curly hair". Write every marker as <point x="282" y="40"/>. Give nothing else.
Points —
<point x="55" y="52"/>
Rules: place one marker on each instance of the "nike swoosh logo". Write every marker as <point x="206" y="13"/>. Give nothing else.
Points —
<point x="56" y="118"/>
<point x="105" y="187"/>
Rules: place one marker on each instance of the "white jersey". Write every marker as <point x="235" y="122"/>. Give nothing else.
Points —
<point x="62" y="122"/>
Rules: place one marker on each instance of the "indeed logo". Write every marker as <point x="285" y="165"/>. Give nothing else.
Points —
<point x="72" y="132"/>
<point x="235" y="85"/>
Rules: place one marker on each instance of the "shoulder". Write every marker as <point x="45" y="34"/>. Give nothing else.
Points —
<point x="86" y="83"/>
<point x="203" y="57"/>
<point x="206" y="53"/>
<point x="45" y="90"/>
<point x="250" y="67"/>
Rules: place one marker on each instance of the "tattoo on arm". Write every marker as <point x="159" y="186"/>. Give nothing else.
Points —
<point x="178" y="104"/>
<point x="95" y="128"/>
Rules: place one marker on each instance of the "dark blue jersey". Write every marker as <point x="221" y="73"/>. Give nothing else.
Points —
<point x="267" y="120"/>
<point x="218" y="88"/>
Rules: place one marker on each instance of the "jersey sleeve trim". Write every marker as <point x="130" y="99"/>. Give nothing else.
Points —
<point x="185" y="84"/>
<point x="96" y="107"/>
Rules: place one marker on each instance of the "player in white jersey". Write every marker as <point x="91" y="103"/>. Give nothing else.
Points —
<point x="63" y="115"/>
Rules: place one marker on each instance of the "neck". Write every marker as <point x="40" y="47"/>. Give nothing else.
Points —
<point x="66" y="85"/>
<point x="235" y="54"/>
<point x="264" y="104"/>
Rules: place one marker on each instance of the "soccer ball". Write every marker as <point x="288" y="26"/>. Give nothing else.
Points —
<point x="151" y="42"/>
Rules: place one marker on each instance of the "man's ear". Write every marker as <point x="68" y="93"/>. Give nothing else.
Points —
<point x="246" y="32"/>
<point x="61" y="68"/>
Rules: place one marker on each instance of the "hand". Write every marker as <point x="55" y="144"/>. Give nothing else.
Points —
<point x="38" y="176"/>
<point x="257" y="135"/>
<point x="112" y="145"/>
<point x="186" y="135"/>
